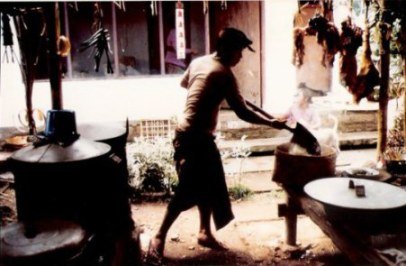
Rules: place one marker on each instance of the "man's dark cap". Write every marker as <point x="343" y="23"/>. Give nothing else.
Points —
<point x="233" y="38"/>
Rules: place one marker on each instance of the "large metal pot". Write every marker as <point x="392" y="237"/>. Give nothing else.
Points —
<point x="80" y="180"/>
<point x="76" y="182"/>
<point x="293" y="169"/>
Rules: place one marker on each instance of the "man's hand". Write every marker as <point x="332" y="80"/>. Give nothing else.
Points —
<point x="278" y="124"/>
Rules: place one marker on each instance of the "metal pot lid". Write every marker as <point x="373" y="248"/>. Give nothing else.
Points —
<point x="42" y="237"/>
<point x="335" y="191"/>
<point x="79" y="150"/>
<point x="101" y="131"/>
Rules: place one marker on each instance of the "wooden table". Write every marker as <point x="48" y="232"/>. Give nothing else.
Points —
<point x="356" y="245"/>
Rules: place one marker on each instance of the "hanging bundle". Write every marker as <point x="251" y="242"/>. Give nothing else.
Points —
<point x="298" y="36"/>
<point x="223" y="4"/>
<point x="7" y="38"/>
<point x="30" y="28"/>
<point x="205" y="6"/>
<point x="327" y="36"/>
<point x="368" y="76"/>
<point x="350" y="40"/>
<point x="154" y="8"/>
<point x="99" y="40"/>
<point x="120" y="4"/>
<point x="298" y="46"/>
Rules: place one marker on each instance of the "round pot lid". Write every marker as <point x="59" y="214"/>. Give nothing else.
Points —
<point x="40" y="238"/>
<point x="79" y="150"/>
<point x="336" y="191"/>
<point x="362" y="172"/>
<point x="101" y="131"/>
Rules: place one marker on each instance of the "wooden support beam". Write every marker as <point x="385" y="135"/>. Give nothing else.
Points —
<point x="353" y="243"/>
<point x="283" y="210"/>
<point x="350" y="242"/>
<point x="51" y="10"/>
<point x="384" y="51"/>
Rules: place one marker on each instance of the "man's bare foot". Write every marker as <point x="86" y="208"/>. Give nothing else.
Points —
<point x="210" y="242"/>
<point x="155" y="251"/>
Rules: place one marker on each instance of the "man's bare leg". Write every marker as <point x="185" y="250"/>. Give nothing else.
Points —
<point x="205" y="237"/>
<point x="157" y="243"/>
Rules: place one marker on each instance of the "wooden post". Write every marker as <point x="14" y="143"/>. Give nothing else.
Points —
<point x="291" y="221"/>
<point x="404" y="92"/>
<point x="115" y="39"/>
<point x="52" y="18"/>
<point x="403" y="52"/>
<point x="384" y="51"/>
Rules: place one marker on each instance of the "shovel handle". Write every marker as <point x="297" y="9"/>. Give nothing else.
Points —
<point x="267" y="115"/>
<point x="259" y="110"/>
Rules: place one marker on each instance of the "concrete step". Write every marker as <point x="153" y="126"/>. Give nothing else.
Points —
<point x="264" y="145"/>
<point x="350" y="120"/>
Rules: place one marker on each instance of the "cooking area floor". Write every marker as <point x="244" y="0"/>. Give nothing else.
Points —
<point x="256" y="236"/>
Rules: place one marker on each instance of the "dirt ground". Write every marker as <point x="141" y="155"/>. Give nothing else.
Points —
<point x="255" y="237"/>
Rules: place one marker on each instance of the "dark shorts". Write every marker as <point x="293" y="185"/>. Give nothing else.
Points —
<point x="201" y="177"/>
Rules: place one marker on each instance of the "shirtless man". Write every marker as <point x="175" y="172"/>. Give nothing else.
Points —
<point x="209" y="80"/>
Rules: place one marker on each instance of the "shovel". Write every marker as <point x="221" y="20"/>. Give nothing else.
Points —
<point x="301" y="135"/>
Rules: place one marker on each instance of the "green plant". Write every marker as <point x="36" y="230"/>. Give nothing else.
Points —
<point x="239" y="191"/>
<point x="395" y="148"/>
<point x="150" y="165"/>
<point x="240" y="152"/>
<point x="395" y="145"/>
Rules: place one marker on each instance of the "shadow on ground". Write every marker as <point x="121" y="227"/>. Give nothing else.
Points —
<point x="241" y="258"/>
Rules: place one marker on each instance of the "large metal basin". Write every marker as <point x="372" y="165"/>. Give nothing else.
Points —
<point x="381" y="209"/>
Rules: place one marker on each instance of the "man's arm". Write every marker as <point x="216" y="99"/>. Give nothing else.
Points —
<point x="185" y="79"/>
<point x="237" y="103"/>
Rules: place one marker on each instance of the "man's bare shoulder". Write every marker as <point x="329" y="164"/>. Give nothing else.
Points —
<point x="209" y="62"/>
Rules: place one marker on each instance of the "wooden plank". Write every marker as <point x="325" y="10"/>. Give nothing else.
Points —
<point x="352" y="243"/>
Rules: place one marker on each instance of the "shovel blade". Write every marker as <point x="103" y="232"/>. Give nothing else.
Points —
<point x="304" y="138"/>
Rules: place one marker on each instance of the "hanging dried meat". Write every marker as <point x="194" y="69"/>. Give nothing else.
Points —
<point x="327" y="36"/>
<point x="350" y="40"/>
<point x="368" y="76"/>
<point x="298" y="50"/>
